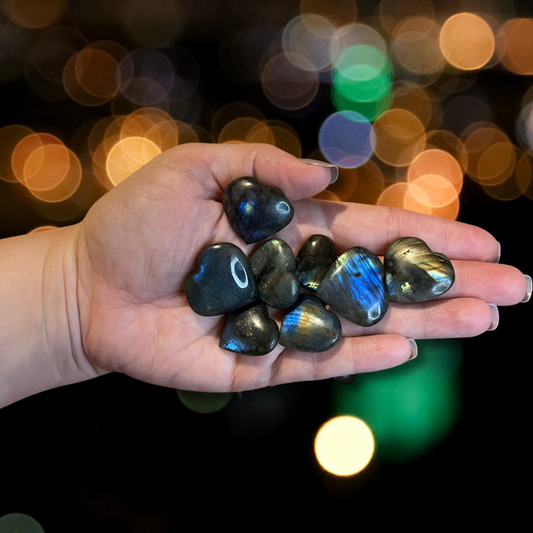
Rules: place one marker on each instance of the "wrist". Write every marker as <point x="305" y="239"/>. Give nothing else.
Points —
<point x="40" y="340"/>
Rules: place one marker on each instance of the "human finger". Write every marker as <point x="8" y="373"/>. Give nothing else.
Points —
<point x="216" y="165"/>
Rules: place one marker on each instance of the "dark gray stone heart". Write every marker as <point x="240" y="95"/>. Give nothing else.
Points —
<point x="354" y="286"/>
<point x="224" y="281"/>
<point x="414" y="273"/>
<point x="309" y="326"/>
<point x="250" y="331"/>
<point x="314" y="259"/>
<point x="255" y="212"/>
<point x="273" y="265"/>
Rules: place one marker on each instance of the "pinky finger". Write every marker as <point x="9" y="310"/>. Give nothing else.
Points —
<point x="352" y="355"/>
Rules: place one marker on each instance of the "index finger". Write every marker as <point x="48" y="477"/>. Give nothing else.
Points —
<point x="375" y="227"/>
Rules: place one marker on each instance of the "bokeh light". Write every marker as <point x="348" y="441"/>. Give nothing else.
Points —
<point x="344" y="446"/>
<point x="467" y="41"/>
<point x="346" y="139"/>
<point x="409" y="408"/>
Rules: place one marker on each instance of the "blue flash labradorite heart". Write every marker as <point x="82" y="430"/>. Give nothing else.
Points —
<point x="250" y="331"/>
<point x="414" y="273"/>
<point x="354" y="286"/>
<point x="309" y="326"/>
<point x="314" y="259"/>
<point x="273" y="265"/>
<point x="224" y="281"/>
<point x="255" y="212"/>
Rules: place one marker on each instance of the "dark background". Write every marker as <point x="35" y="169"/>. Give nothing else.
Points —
<point x="115" y="454"/>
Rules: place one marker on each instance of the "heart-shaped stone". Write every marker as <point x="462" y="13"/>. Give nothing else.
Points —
<point x="273" y="265"/>
<point x="414" y="273"/>
<point x="309" y="326"/>
<point x="224" y="281"/>
<point x="255" y="212"/>
<point x="354" y="286"/>
<point x="250" y="331"/>
<point x="314" y="259"/>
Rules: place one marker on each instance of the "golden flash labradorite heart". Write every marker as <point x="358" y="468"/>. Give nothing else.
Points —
<point x="414" y="273"/>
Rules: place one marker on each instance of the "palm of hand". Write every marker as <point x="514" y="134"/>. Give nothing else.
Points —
<point x="139" y="243"/>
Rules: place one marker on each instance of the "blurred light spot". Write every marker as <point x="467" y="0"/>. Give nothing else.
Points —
<point x="46" y="167"/>
<point x="415" y="47"/>
<point x="151" y="123"/>
<point x="418" y="100"/>
<point x="368" y="69"/>
<point x="524" y="174"/>
<point x="152" y="77"/>
<point x="524" y="126"/>
<point x="448" y="142"/>
<point x="232" y="111"/>
<point x="306" y="41"/>
<point x="339" y="12"/>
<point x="344" y="446"/>
<point x="238" y="129"/>
<point x="484" y="144"/>
<point x="66" y="187"/>
<point x="96" y="74"/>
<point x="152" y="25"/>
<point x="24" y="150"/>
<point x="204" y="402"/>
<point x="34" y="14"/>
<point x="410" y="408"/>
<point x="357" y="34"/>
<point x="282" y="135"/>
<point x="19" y="523"/>
<point x="432" y="190"/>
<point x="10" y="136"/>
<point x="467" y="41"/>
<point x="129" y="155"/>
<point x="394" y="196"/>
<point x="400" y="137"/>
<point x="346" y="139"/>
<point x="288" y="86"/>
<point x="435" y="162"/>
<point x="391" y="12"/>
<point x="515" y="46"/>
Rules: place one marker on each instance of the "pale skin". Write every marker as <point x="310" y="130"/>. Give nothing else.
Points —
<point x="107" y="294"/>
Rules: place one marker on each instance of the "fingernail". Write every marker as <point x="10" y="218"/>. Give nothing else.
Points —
<point x="414" y="349"/>
<point x="346" y="379"/>
<point x="495" y="317"/>
<point x="499" y="253"/>
<point x="527" y="297"/>
<point x="333" y="168"/>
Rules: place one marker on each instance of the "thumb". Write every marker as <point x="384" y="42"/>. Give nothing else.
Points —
<point x="297" y="178"/>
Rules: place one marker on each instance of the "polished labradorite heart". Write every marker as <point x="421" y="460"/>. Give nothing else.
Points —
<point x="255" y="212"/>
<point x="223" y="282"/>
<point x="314" y="259"/>
<point x="309" y="326"/>
<point x="273" y="265"/>
<point x="354" y="286"/>
<point x="414" y="273"/>
<point x="250" y="331"/>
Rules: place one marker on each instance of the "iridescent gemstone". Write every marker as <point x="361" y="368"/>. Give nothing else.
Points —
<point x="273" y="265"/>
<point x="314" y="259"/>
<point x="309" y="327"/>
<point x="223" y="282"/>
<point x="255" y="212"/>
<point x="354" y="286"/>
<point x="414" y="273"/>
<point x="250" y="331"/>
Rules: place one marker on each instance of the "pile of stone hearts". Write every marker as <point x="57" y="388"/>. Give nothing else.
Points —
<point x="354" y="284"/>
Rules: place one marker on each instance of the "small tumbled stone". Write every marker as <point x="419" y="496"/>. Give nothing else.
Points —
<point x="255" y="212"/>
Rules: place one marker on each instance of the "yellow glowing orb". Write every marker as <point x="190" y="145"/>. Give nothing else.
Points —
<point x="129" y="155"/>
<point x="344" y="445"/>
